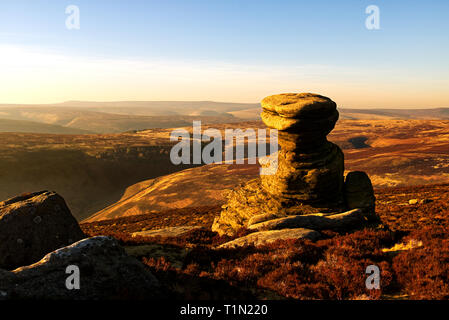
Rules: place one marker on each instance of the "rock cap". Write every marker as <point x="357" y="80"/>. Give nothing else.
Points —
<point x="303" y="113"/>
<point x="299" y="105"/>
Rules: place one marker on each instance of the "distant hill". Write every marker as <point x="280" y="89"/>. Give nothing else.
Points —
<point x="103" y="122"/>
<point x="159" y="108"/>
<point x="247" y="114"/>
<point x="392" y="114"/>
<point x="8" y="125"/>
<point x="121" y="116"/>
<point x="366" y="114"/>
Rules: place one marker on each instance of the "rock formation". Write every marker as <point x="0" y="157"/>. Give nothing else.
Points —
<point x="358" y="191"/>
<point x="106" y="272"/>
<point x="265" y="237"/>
<point x="310" y="175"/>
<point x="33" y="225"/>
<point x="310" y="168"/>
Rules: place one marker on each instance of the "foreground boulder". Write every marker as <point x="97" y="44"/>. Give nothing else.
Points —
<point x="33" y="225"/>
<point x="266" y="237"/>
<point x="105" y="272"/>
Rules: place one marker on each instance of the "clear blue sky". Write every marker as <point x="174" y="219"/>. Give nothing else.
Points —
<point x="411" y="48"/>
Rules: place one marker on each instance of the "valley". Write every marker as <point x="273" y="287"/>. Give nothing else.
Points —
<point x="94" y="171"/>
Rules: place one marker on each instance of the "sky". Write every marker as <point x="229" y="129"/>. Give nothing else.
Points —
<point x="227" y="50"/>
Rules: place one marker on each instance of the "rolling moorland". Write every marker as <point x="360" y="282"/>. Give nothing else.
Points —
<point x="93" y="171"/>
<point x="116" y="117"/>
<point x="121" y="183"/>
<point x="120" y="116"/>
<point x="411" y="247"/>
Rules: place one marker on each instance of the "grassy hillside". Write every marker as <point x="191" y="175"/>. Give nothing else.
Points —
<point x="392" y="152"/>
<point x="89" y="171"/>
<point x="7" y="125"/>
<point x="196" y="187"/>
<point x="93" y="171"/>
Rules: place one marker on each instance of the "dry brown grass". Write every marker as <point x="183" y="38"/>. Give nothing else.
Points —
<point x="331" y="268"/>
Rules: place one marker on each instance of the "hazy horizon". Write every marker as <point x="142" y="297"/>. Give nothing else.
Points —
<point x="199" y="101"/>
<point x="225" y="51"/>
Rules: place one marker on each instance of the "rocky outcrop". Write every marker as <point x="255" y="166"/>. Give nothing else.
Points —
<point x="359" y="192"/>
<point x="310" y="169"/>
<point x="105" y="272"/>
<point x="340" y="221"/>
<point x="310" y="172"/>
<point x="266" y="237"/>
<point x="32" y="225"/>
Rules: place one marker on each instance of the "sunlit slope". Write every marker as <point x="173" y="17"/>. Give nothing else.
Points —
<point x="196" y="187"/>
<point x="392" y="152"/>
<point x="8" y="125"/>
<point x="92" y="171"/>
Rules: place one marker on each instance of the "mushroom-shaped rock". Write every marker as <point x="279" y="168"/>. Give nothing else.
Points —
<point x="309" y="177"/>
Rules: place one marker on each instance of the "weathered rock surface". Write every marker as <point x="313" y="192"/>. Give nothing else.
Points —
<point x="307" y="112"/>
<point x="310" y="171"/>
<point x="310" y="168"/>
<point x="359" y="192"/>
<point x="33" y="225"/>
<point x="341" y="221"/>
<point x="264" y="237"/>
<point x="166" y="232"/>
<point x="106" y="272"/>
<point x="314" y="178"/>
